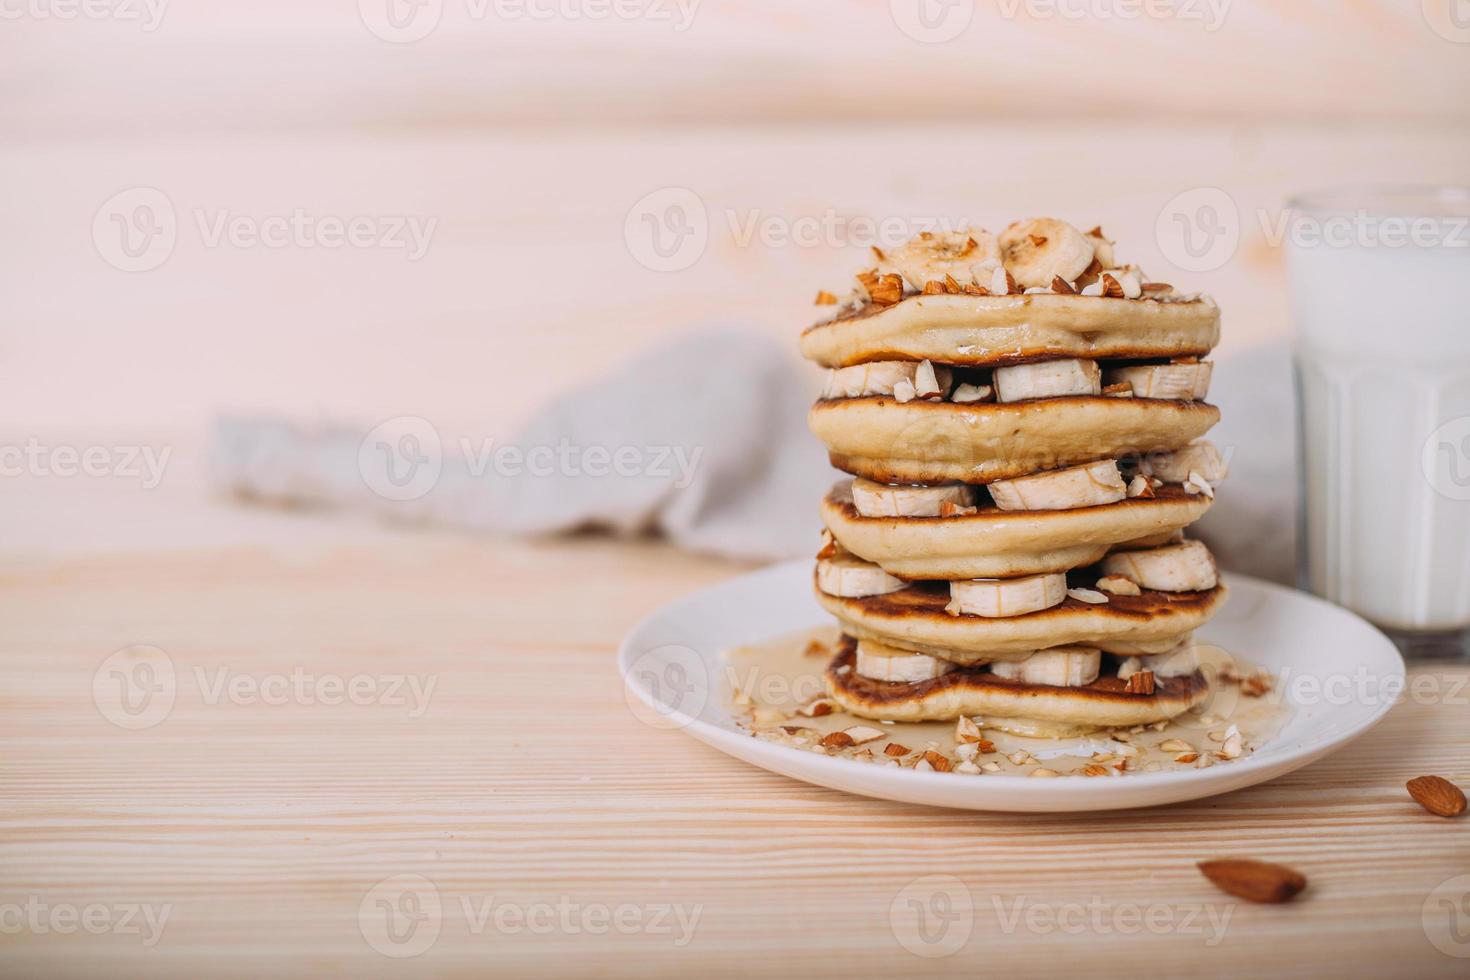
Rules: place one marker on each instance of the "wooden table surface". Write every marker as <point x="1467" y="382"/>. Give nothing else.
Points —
<point x="253" y="829"/>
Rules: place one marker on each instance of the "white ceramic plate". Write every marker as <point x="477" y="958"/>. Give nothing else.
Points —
<point x="1338" y="674"/>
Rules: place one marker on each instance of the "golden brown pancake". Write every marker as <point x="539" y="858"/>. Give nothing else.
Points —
<point x="889" y="441"/>
<point x="913" y="618"/>
<point x="993" y="330"/>
<point x="1105" y="703"/>
<point x="993" y="543"/>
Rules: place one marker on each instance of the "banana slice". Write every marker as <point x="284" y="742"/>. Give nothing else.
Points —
<point x="1182" y="661"/>
<point x="1198" y="457"/>
<point x="998" y="598"/>
<point x="1102" y="248"/>
<point x="1040" y="249"/>
<point x="1057" y="667"/>
<point x="1190" y="382"/>
<point x="1187" y="567"/>
<point x="1048" y="379"/>
<point x="882" y="662"/>
<point x="881" y="377"/>
<point x="1076" y="486"/>
<point x="882" y="500"/>
<point x="852" y="578"/>
<point x="933" y="255"/>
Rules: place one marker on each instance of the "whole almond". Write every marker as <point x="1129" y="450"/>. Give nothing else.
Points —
<point x="1437" y="795"/>
<point x="1254" y="881"/>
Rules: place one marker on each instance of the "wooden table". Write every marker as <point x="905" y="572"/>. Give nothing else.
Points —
<point x="536" y="809"/>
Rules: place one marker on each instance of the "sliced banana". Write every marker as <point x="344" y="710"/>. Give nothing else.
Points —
<point x="1048" y="379"/>
<point x="1102" y="248"/>
<point x="1057" y="667"/>
<point x="1187" y="567"/>
<point x="881" y="377"/>
<point x="1190" y="382"/>
<point x="882" y="500"/>
<point x="882" y="662"/>
<point x="933" y="255"/>
<point x="1040" y="249"/>
<point x="997" y="598"/>
<point x="1198" y="457"/>
<point x="852" y="578"/>
<point x="1088" y="485"/>
<point x="1182" y="661"/>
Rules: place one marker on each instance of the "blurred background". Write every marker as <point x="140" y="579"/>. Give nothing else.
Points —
<point x="445" y="209"/>
<point x="297" y="242"/>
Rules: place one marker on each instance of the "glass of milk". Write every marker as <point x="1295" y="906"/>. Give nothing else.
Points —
<point x="1380" y="282"/>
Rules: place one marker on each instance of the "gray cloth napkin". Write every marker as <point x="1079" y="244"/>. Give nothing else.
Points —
<point x="719" y="462"/>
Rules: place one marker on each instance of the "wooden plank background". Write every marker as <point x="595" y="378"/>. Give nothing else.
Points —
<point x="528" y="779"/>
<point x="529" y="143"/>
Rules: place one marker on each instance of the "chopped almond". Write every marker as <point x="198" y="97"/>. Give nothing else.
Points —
<point x="887" y="290"/>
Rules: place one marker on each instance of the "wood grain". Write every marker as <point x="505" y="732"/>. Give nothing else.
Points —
<point x="299" y="64"/>
<point x="528" y="779"/>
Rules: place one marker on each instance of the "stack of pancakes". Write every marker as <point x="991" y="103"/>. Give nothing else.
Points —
<point x="1021" y="417"/>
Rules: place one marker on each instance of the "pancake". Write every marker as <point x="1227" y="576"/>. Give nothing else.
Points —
<point x="883" y="439"/>
<point x="992" y="330"/>
<point x="913" y="618"/>
<point x="1105" y="703"/>
<point x="993" y="543"/>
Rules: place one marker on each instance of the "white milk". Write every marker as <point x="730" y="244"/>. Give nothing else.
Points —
<point x="1383" y="367"/>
